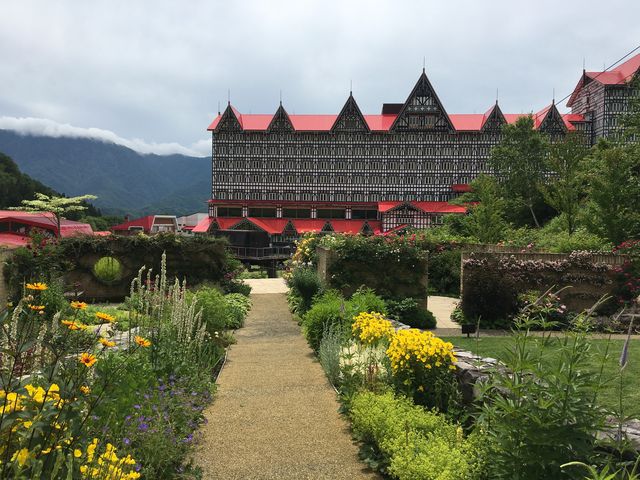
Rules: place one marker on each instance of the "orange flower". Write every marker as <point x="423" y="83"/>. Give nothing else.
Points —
<point x="73" y="325"/>
<point x="106" y="342"/>
<point x="37" y="286"/>
<point x="36" y="308"/>
<point x="78" y="305"/>
<point x="143" y="342"/>
<point x="106" y="317"/>
<point x="87" y="359"/>
<point x="85" y="389"/>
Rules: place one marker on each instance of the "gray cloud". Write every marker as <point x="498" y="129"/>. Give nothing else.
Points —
<point x="49" y="128"/>
<point x="157" y="70"/>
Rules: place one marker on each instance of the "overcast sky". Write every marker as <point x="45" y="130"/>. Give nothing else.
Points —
<point x="153" y="72"/>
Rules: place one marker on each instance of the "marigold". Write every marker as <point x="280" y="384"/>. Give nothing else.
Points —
<point x="78" y="305"/>
<point x="37" y="286"/>
<point x="107" y="343"/>
<point x="106" y="317"/>
<point x="143" y="342"/>
<point x="86" y="390"/>
<point x="36" y="308"/>
<point x="71" y="325"/>
<point x="370" y="328"/>
<point x="87" y="359"/>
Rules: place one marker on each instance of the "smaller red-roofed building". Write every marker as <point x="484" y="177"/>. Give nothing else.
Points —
<point x="16" y="227"/>
<point x="150" y="224"/>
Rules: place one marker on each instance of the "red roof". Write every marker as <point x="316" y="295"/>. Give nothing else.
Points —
<point x="376" y="123"/>
<point x="275" y="226"/>
<point x="46" y="221"/>
<point x="461" y="188"/>
<point x="623" y="73"/>
<point x="144" y="222"/>
<point x="427" y="207"/>
<point x="12" y="240"/>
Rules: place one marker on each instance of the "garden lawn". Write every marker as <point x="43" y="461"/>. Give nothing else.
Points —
<point x="495" y="347"/>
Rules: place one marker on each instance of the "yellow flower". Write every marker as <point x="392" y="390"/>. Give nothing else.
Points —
<point x="106" y="317"/>
<point x="107" y="343"/>
<point x="77" y="453"/>
<point x="22" y="456"/>
<point x="36" y="308"/>
<point x="87" y="359"/>
<point x="71" y="325"/>
<point x="371" y="328"/>
<point x="143" y="342"/>
<point x="85" y="389"/>
<point x="27" y="424"/>
<point x="78" y="305"/>
<point x="37" y="286"/>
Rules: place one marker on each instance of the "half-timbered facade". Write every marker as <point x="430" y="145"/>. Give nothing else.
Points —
<point x="286" y="174"/>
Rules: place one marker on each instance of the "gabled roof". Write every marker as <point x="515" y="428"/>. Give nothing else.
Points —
<point x="423" y="89"/>
<point x="143" y="222"/>
<point x="350" y="118"/>
<point x="280" y="121"/>
<point x="46" y="221"/>
<point x="427" y="207"/>
<point x="619" y="75"/>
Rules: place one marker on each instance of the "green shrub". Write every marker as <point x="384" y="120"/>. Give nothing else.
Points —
<point x="365" y="300"/>
<point x="237" y="287"/>
<point x="108" y="270"/>
<point x="238" y="307"/>
<point x="329" y="309"/>
<point x="305" y="284"/>
<point x="215" y="312"/>
<point x="444" y="272"/>
<point x="330" y="351"/>
<point x="412" y="313"/>
<point x="490" y="296"/>
<point x="411" y="443"/>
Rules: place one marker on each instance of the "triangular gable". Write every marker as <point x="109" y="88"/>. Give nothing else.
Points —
<point x="327" y="227"/>
<point x="403" y="206"/>
<point x="366" y="229"/>
<point x="230" y="120"/>
<point x="350" y="118"/>
<point x="494" y="119"/>
<point x="422" y="110"/>
<point x="246" y="224"/>
<point x="552" y="122"/>
<point x="280" y="121"/>
<point x="213" y="226"/>
<point x="290" y="229"/>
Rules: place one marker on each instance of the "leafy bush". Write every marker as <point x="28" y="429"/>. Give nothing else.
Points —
<point x="328" y="310"/>
<point x="365" y="300"/>
<point x="305" y="284"/>
<point x="237" y="287"/>
<point x="410" y="312"/>
<point x="238" y="307"/>
<point x="410" y="443"/>
<point x="108" y="270"/>
<point x="215" y="313"/>
<point x="542" y="411"/>
<point x="490" y="296"/>
<point x="444" y="271"/>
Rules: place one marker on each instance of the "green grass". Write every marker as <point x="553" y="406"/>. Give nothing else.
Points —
<point x="495" y="347"/>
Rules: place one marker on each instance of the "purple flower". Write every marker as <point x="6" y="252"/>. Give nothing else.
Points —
<point x="138" y="467"/>
<point x="137" y="407"/>
<point x="143" y="427"/>
<point x="126" y="441"/>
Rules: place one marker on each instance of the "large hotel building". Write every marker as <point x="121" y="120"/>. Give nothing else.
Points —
<point x="277" y="176"/>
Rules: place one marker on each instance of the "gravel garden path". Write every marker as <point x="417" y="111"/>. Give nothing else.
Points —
<point x="275" y="416"/>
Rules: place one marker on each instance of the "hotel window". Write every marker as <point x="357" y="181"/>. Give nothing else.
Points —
<point x="265" y="212"/>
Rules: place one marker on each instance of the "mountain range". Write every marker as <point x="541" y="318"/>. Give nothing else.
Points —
<point x="126" y="182"/>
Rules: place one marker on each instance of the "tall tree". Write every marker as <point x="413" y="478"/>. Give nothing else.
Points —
<point x="519" y="163"/>
<point x="564" y="189"/>
<point x="58" y="206"/>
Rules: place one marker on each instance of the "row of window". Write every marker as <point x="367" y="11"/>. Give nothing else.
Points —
<point x="327" y="196"/>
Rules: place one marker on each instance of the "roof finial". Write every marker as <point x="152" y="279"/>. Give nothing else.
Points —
<point x="228" y="96"/>
<point x="218" y="107"/>
<point x="424" y="64"/>
<point x="553" y="97"/>
<point x="584" y="64"/>
<point x="351" y="87"/>
<point x="280" y="97"/>
<point x="497" y="96"/>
